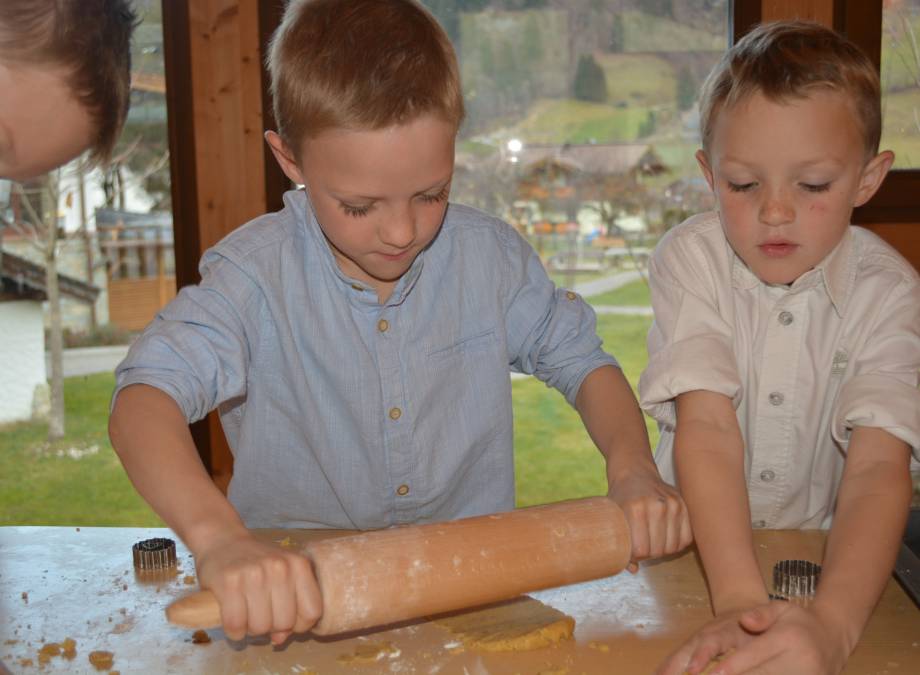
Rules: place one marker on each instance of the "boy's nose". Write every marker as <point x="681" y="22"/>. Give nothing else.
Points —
<point x="776" y="210"/>
<point x="399" y="229"/>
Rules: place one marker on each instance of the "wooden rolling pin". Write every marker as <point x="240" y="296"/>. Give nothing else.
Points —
<point x="385" y="576"/>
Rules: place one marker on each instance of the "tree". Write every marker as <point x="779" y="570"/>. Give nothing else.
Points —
<point x="40" y="227"/>
<point x="590" y="81"/>
<point x="686" y="89"/>
<point x="617" y="34"/>
<point x="647" y="128"/>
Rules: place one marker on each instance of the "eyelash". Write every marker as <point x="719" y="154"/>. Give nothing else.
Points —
<point x="361" y="211"/>
<point x="746" y="187"/>
<point x="735" y="187"/>
<point x="823" y="187"/>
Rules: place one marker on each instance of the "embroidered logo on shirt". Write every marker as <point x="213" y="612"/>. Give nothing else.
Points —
<point x="839" y="365"/>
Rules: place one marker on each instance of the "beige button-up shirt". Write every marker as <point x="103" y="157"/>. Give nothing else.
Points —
<point x="803" y="364"/>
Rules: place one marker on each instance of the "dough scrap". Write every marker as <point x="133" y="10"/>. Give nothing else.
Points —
<point x="370" y="652"/>
<point x="519" y="625"/>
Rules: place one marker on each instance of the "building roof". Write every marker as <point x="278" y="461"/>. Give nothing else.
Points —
<point x="594" y="158"/>
<point x="20" y="278"/>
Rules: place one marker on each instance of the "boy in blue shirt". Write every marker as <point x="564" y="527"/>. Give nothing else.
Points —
<point x="357" y="343"/>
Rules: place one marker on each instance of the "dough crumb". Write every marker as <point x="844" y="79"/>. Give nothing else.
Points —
<point x="518" y="625"/>
<point x="370" y="652"/>
<point x="101" y="660"/>
<point x="48" y="651"/>
<point x="189" y="580"/>
<point x="287" y="542"/>
<point x="200" y="637"/>
<point x="69" y="649"/>
<point x="25" y="597"/>
<point x="25" y="663"/>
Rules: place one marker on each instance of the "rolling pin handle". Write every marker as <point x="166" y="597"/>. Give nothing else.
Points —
<point x="195" y="611"/>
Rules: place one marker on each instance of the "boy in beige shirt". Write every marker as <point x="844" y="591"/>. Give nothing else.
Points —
<point x="785" y="352"/>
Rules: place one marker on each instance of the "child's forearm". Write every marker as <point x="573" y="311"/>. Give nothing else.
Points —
<point x="152" y="439"/>
<point x="872" y="507"/>
<point x="614" y="421"/>
<point x="709" y="456"/>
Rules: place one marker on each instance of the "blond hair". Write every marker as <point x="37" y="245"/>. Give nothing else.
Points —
<point x="92" y="38"/>
<point x="360" y="64"/>
<point x="785" y="60"/>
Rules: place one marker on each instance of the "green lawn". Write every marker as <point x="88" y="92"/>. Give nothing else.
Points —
<point x="571" y="121"/>
<point x="553" y="456"/>
<point x="635" y="294"/>
<point x="638" y="79"/>
<point x="77" y="481"/>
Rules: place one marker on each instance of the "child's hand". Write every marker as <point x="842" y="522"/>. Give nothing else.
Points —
<point x="657" y="517"/>
<point x="772" y="639"/>
<point x="261" y="588"/>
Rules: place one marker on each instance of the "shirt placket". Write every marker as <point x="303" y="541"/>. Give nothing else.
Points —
<point x="396" y="417"/>
<point x="772" y="451"/>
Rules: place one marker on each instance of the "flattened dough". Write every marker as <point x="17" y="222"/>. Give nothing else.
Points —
<point x="518" y="625"/>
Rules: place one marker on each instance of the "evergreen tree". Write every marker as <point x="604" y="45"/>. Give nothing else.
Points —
<point x="590" y="81"/>
<point x="617" y="35"/>
<point x="647" y="128"/>
<point x="533" y="42"/>
<point x="686" y="89"/>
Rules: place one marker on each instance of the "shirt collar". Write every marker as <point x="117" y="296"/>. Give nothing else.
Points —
<point x="358" y="291"/>
<point x="836" y="273"/>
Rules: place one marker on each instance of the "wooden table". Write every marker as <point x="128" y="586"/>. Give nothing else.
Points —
<point x="79" y="583"/>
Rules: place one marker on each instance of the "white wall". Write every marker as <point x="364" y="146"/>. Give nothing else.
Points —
<point x="22" y="358"/>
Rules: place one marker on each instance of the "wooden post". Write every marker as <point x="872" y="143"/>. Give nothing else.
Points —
<point x="215" y="91"/>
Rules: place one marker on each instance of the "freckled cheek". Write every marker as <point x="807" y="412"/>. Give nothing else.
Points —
<point x="817" y="208"/>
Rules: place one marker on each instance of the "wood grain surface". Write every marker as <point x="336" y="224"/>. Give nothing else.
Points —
<point x="58" y="583"/>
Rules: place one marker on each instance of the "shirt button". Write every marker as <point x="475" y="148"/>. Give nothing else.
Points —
<point x="786" y="318"/>
<point x="402" y="490"/>
<point x="395" y="413"/>
<point x="759" y="524"/>
<point x="776" y="398"/>
<point x="383" y="325"/>
<point x="766" y="475"/>
<point x="570" y="295"/>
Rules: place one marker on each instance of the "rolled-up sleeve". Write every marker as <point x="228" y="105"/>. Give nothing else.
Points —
<point x="551" y="332"/>
<point x="883" y="390"/>
<point x="690" y="344"/>
<point x="197" y="349"/>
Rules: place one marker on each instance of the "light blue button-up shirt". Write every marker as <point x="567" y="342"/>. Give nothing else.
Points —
<point x="345" y="413"/>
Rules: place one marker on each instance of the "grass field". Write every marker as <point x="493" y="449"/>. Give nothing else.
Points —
<point x="571" y="121"/>
<point x="638" y="79"/>
<point x="79" y="481"/>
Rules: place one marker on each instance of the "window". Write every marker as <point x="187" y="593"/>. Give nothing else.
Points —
<point x="581" y="130"/>
<point x="108" y="235"/>
<point x="900" y="75"/>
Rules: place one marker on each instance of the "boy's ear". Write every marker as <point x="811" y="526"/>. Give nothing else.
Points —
<point x="703" y="160"/>
<point x="872" y="176"/>
<point x="284" y="157"/>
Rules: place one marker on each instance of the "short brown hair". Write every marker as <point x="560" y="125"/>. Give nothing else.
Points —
<point x="360" y="64"/>
<point x="792" y="59"/>
<point x="93" y="39"/>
